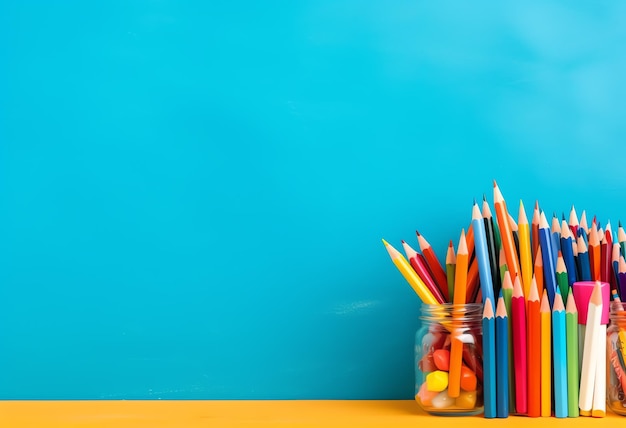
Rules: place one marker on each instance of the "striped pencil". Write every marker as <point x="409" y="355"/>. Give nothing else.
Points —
<point x="559" y="346"/>
<point x="534" y="352"/>
<point x="546" y="356"/>
<point x="489" y="360"/>
<point x="571" y="322"/>
<point x="518" y="325"/>
<point x="502" y="359"/>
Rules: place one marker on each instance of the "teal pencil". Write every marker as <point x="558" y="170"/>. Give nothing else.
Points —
<point x="507" y="295"/>
<point x="571" y="322"/>
<point x="560" y="357"/>
<point x="502" y="359"/>
<point x="489" y="360"/>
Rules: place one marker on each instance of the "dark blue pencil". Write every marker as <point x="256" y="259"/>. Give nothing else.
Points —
<point x="549" y="266"/>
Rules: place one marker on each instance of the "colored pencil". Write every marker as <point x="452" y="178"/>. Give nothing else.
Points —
<point x="590" y="355"/>
<point x="621" y="237"/>
<point x="520" y="352"/>
<point x="489" y="360"/>
<point x="502" y="265"/>
<point x="622" y="276"/>
<point x="456" y="349"/>
<point x="605" y="259"/>
<point x="514" y="234"/>
<point x="584" y="265"/>
<point x="502" y="217"/>
<point x="502" y="359"/>
<point x="598" y="409"/>
<point x="538" y="272"/>
<point x="555" y="236"/>
<point x="583" y="222"/>
<point x="573" y="222"/>
<point x="419" y="265"/>
<point x="473" y="281"/>
<point x="525" y="250"/>
<point x="568" y="253"/>
<point x="534" y="352"/>
<point x="593" y="247"/>
<point x="561" y="275"/>
<point x="615" y="266"/>
<point x="535" y="229"/>
<point x="435" y="267"/>
<point x="548" y="262"/>
<point x="450" y="268"/>
<point x="571" y="322"/>
<point x="409" y="274"/>
<point x="482" y="254"/>
<point x="491" y="246"/>
<point x="546" y="356"/>
<point x="559" y="346"/>
<point x="507" y="295"/>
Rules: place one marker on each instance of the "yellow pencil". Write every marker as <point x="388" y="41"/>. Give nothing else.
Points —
<point x="526" y="256"/>
<point x="409" y="274"/>
<point x="546" y="356"/>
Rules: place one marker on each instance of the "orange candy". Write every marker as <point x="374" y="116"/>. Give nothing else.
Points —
<point x="468" y="379"/>
<point x="425" y="396"/>
<point x="441" y="359"/>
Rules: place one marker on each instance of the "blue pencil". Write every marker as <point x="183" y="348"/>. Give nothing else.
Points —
<point x="489" y="360"/>
<point x="583" y="260"/>
<point x="568" y="253"/>
<point x="559" y="346"/>
<point x="482" y="254"/>
<point x="549" y="266"/>
<point x="502" y="359"/>
<point x="555" y="237"/>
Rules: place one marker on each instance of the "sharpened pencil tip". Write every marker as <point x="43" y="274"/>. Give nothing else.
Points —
<point x="495" y="184"/>
<point x="418" y="234"/>
<point x="484" y="198"/>
<point x="385" y="242"/>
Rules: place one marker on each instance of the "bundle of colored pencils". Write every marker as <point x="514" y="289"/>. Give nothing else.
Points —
<point x="545" y="287"/>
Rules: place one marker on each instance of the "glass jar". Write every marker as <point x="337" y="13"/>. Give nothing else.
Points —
<point x="616" y="359"/>
<point x="440" y="325"/>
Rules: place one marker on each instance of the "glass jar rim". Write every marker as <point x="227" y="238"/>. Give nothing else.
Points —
<point x="468" y="312"/>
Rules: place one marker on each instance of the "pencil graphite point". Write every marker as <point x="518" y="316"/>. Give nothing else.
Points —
<point x="385" y="242"/>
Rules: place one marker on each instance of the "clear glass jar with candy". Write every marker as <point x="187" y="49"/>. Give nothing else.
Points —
<point x="616" y="358"/>
<point x="449" y="382"/>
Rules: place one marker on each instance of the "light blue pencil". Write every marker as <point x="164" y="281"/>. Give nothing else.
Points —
<point x="559" y="345"/>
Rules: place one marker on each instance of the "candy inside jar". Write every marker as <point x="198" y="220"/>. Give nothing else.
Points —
<point x="616" y="358"/>
<point x="441" y="324"/>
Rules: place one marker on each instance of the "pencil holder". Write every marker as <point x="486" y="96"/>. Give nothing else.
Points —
<point x="448" y="360"/>
<point x="616" y="359"/>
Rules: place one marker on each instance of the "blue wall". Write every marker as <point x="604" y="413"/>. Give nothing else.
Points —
<point x="192" y="194"/>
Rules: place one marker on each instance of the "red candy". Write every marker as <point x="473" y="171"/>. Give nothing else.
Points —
<point x="441" y="359"/>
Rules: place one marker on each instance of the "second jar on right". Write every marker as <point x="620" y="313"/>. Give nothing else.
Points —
<point x="616" y="358"/>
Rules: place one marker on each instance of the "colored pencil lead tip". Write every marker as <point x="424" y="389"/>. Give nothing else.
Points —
<point x="495" y="184"/>
<point x="418" y="234"/>
<point x="474" y="201"/>
<point x="536" y="205"/>
<point x="403" y="241"/>
<point x="484" y="198"/>
<point x="385" y="242"/>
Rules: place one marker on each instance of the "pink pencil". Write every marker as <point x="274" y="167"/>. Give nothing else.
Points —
<point x="518" y="328"/>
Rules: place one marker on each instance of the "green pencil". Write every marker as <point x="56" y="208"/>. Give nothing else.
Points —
<point x="561" y="276"/>
<point x="571" y="325"/>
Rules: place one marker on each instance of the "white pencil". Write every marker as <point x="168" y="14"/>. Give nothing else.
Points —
<point x="593" y="341"/>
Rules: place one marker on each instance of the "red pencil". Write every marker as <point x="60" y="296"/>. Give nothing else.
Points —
<point x="518" y="328"/>
<point x="419" y="265"/>
<point x="439" y="275"/>
<point x="534" y="353"/>
<point x="593" y="247"/>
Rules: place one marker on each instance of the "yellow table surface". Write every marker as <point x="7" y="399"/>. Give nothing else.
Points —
<point x="335" y="413"/>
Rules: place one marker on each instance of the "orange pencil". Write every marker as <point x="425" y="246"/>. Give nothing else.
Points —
<point x="534" y="353"/>
<point x="460" y="291"/>
<point x="450" y="268"/>
<point x="506" y="235"/>
<point x="434" y="265"/>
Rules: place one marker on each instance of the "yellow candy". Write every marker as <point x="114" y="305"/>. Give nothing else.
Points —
<point x="437" y="381"/>
<point x="466" y="400"/>
<point x="442" y="400"/>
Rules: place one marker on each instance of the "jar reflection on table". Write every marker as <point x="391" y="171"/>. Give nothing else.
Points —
<point x="440" y="325"/>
